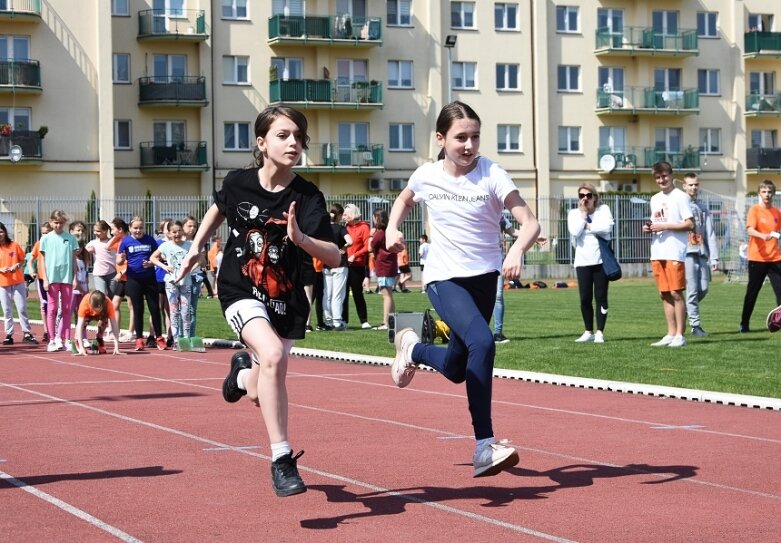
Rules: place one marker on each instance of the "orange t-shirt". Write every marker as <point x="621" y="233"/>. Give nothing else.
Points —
<point x="403" y="258"/>
<point x="213" y="256"/>
<point x="764" y="221"/>
<point x="36" y="257"/>
<point x="88" y="314"/>
<point x="121" y="268"/>
<point x="318" y="265"/>
<point x="11" y="255"/>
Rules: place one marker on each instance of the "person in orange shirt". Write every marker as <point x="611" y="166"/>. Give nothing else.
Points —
<point x="13" y="289"/>
<point x="214" y="265"/>
<point x="405" y="272"/>
<point x="96" y="306"/>
<point x="764" y="257"/>
<point x="35" y="272"/>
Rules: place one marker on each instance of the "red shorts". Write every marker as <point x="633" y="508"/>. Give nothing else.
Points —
<point x="670" y="275"/>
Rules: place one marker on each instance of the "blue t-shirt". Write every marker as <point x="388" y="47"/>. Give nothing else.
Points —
<point x="137" y="251"/>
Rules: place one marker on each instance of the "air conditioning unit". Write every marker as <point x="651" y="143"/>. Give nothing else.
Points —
<point x="629" y="187"/>
<point x="376" y="185"/>
<point x="608" y="186"/>
<point x="397" y="184"/>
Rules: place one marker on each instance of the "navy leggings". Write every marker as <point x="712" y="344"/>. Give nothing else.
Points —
<point x="465" y="304"/>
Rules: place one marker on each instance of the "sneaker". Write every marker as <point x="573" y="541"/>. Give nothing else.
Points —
<point x="402" y="367"/>
<point x="664" y="342"/>
<point x="309" y="328"/>
<point x="58" y="343"/>
<point x="231" y="392"/>
<point x="69" y="347"/>
<point x="743" y="329"/>
<point x="381" y="327"/>
<point x="501" y="338"/>
<point x="28" y="338"/>
<point x="324" y="327"/>
<point x="161" y="344"/>
<point x="678" y="341"/>
<point x="45" y="337"/>
<point x="599" y="337"/>
<point x="124" y="337"/>
<point x="52" y="347"/>
<point x="140" y="343"/>
<point x="492" y="458"/>
<point x="9" y="340"/>
<point x="284" y="475"/>
<point x="365" y="325"/>
<point x="338" y="327"/>
<point x="101" y="345"/>
<point x="587" y="336"/>
<point x="150" y="341"/>
<point x="169" y="342"/>
<point x="698" y="331"/>
<point x="405" y="290"/>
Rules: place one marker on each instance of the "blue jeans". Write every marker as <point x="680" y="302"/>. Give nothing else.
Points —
<point x="465" y="304"/>
<point x="499" y="306"/>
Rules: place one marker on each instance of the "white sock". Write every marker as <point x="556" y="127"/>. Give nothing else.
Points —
<point x="485" y="442"/>
<point x="279" y="450"/>
<point x="240" y="378"/>
<point x="408" y="354"/>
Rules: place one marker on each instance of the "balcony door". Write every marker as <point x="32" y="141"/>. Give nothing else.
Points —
<point x="17" y="117"/>
<point x="349" y="72"/>
<point x="762" y="83"/>
<point x="288" y="68"/>
<point x="164" y="11"/>
<point x="169" y="68"/>
<point x="353" y="139"/>
<point x="355" y="8"/>
<point x="169" y="133"/>
<point x="14" y="47"/>
<point x="611" y="22"/>
<point x="288" y="7"/>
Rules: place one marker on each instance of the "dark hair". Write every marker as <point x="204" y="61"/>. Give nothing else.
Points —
<point x="767" y="183"/>
<point x="336" y="210"/>
<point x="120" y="224"/>
<point x="102" y="226"/>
<point x="424" y="237"/>
<point x="267" y="117"/>
<point x="381" y="218"/>
<point x="173" y="223"/>
<point x="451" y="112"/>
<point x="662" y="167"/>
<point x="7" y="240"/>
<point x="74" y="224"/>
<point x="690" y="175"/>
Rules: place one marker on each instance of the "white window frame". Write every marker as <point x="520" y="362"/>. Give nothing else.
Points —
<point x="460" y="12"/>
<point x="231" y="63"/>
<point x="170" y="129"/>
<point x="767" y="139"/>
<point x="129" y="124"/>
<point x="668" y="136"/>
<point x="235" y="127"/>
<point x="462" y="71"/>
<point x="710" y="141"/>
<point x="609" y="80"/>
<point x="115" y="68"/>
<point x="509" y="138"/>
<point x="234" y="6"/>
<point x="11" y="115"/>
<point x="708" y="91"/>
<point x="12" y="47"/>
<point x="567" y="12"/>
<point x="504" y="77"/>
<point x="762" y="83"/>
<point x="613" y="138"/>
<point x="706" y="19"/>
<point x="405" y="134"/>
<point x="509" y="21"/>
<point x="568" y="78"/>
<point x="397" y="69"/>
<point x="116" y="8"/>
<point x="172" y="62"/>
<point x="288" y="67"/>
<point x="762" y="22"/>
<point x="399" y="12"/>
<point x="572" y="140"/>
<point x="670" y="22"/>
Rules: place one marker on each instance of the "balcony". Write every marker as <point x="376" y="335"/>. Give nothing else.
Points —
<point x="20" y="10"/>
<point x="762" y="44"/>
<point x="30" y="141"/>
<point x="316" y="31"/>
<point x="763" y="105"/>
<point x="647" y="101"/>
<point x="172" y="24"/>
<point x="331" y="157"/>
<point x="175" y="91"/>
<point x="642" y="159"/>
<point x="20" y="76"/>
<point x="763" y="160"/>
<point x="185" y="156"/>
<point x="644" y="41"/>
<point x="326" y="94"/>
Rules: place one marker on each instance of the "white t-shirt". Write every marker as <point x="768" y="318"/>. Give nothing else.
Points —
<point x="105" y="261"/>
<point x="464" y="215"/>
<point x="586" y="244"/>
<point x="174" y="254"/>
<point x="672" y="207"/>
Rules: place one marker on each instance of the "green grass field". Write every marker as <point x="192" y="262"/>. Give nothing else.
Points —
<point x="543" y="325"/>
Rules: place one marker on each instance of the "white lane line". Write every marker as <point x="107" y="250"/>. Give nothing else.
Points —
<point x="68" y="508"/>
<point x="410" y="498"/>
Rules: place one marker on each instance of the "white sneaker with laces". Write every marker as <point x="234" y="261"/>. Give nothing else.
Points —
<point x="664" y="342"/>
<point x="402" y="367"/>
<point x="492" y="458"/>
<point x="599" y="337"/>
<point x="52" y="347"/>
<point x="68" y="345"/>
<point x="58" y="343"/>
<point x="678" y="341"/>
<point x="365" y="325"/>
<point x="587" y="336"/>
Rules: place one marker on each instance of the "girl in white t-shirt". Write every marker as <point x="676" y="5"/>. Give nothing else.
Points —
<point x="464" y="194"/>
<point x="104" y="259"/>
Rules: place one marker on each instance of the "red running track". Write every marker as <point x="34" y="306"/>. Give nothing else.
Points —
<point x="143" y="448"/>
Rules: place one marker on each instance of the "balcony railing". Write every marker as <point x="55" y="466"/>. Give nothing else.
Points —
<point x="763" y="104"/>
<point x="310" y="93"/>
<point x="177" y="24"/>
<point x="761" y="44"/>
<point x="172" y="90"/>
<point x="20" y="75"/>
<point x="337" y="30"/>
<point x="20" y="9"/>
<point x="763" y="158"/>
<point x="30" y="142"/>
<point x="632" y="159"/>
<point x="187" y="155"/>
<point x="334" y="156"/>
<point x="638" y="40"/>
<point x="638" y="100"/>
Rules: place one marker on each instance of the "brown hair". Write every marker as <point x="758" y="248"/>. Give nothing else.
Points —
<point x="662" y="167"/>
<point x="98" y="303"/>
<point x="452" y="112"/>
<point x="592" y="189"/>
<point x="266" y="118"/>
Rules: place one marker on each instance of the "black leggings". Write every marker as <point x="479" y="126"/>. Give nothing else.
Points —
<point x="137" y="290"/>
<point x="757" y="271"/>
<point x="592" y="283"/>
<point x="355" y="276"/>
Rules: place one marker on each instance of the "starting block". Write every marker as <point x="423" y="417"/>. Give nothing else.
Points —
<point x="193" y="344"/>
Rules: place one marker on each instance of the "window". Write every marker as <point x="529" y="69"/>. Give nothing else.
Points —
<point x="234" y="9"/>
<point x="760" y="22"/>
<point x="612" y="138"/>
<point x="356" y="8"/>
<point x="290" y="7"/>
<point x="710" y="141"/>
<point x="400" y="74"/>
<point x="569" y="78"/>
<point x="121" y="134"/>
<point x="120" y="7"/>
<point x="351" y="74"/>
<point x="762" y="82"/>
<point x="665" y="23"/>
<point x="19" y="118"/>
<point x="667" y="79"/>
<point x="669" y="139"/>
<point x="706" y="24"/>
<point x="567" y="19"/>
<point x="352" y="137"/>
<point x="611" y="21"/>
<point x="767" y="139"/>
<point x="462" y="15"/>
<point x="14" y="47"/>
<point x="288" y="68"/>
<point x="399" y="12"/>
<point x="169" y="68"/>
<point x="507" y="77"/>
<point x="400" y="137"/>
<point x="464" y="75"/>
<point x="569" y="139"/>
<point x="611" y="80"/>
<point x="708" y="82"/>
<point x="237" y="136"/>
<point x="168" y="133"/>
<point x="172" y="8"/>
<point x="235" y="70"/>
<point x="508" y="138"/>
<point x="121" y="67"/>
<point x="505" y="16"/>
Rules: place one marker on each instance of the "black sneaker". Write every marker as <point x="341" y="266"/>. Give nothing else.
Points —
<point x="28" y="338"/>
<point x="230" y="388"/>
<point x="9" y="340"/>
<point x="501" y="338"/>
<point x="284" y="476"/>
<point x="150" y="341"/>
<point x="698" y="331"/>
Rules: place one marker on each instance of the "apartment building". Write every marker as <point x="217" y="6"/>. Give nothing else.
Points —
<point x="121" y="97"/>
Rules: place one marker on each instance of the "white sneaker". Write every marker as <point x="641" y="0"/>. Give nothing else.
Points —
<point x="365" y="325"/>
<point x="52" y="347"/>
<point x="587" y="336"/>
<point x="678" y="341"/>
<point x="402" y="367"/>
<point x="492" y="458"/>
<point x="58" y="343"/>
<point x="664" y="342"/>
<point x="599" y="337"/>
<point x="68" y="345"/>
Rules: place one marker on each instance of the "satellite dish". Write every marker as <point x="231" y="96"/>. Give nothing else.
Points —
<point x="607" y="163"/>
<point x="15" y="153"/>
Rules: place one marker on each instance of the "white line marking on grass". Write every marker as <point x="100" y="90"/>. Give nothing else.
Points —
<point x="68" y="508"/>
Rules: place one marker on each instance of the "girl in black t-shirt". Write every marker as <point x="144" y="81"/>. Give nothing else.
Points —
<point x="276" y="220"/>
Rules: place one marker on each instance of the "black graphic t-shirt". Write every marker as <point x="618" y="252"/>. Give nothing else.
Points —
<point x="259" y="261"/>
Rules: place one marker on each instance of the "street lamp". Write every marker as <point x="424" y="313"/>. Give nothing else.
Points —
<point x="450" y="42"/>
